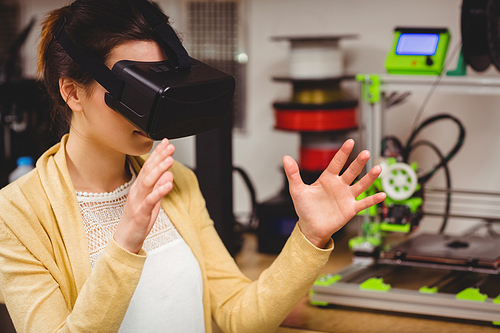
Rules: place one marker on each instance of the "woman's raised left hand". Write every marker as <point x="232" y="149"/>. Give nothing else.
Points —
<point x="329" y="203"/>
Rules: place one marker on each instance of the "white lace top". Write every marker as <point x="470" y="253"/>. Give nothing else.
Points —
<point x="101" y="213"/>
<point x="169" y="295"/>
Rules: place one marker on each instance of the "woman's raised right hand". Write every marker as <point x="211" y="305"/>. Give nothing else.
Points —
<point x="153" y="182"/>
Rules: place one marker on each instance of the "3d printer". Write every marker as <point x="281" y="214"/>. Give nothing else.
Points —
<point x="396" y="267"/>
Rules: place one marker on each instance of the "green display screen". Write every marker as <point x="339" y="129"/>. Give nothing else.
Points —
<point x="418" y="51"/>
<point x="417" y="44"/>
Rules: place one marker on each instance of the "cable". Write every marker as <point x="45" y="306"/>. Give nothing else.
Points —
<point x="488" y="225"/>
<point x="405" y="151"/>
<point x="448" y="179"/>
<point x="434" y="86"/>
<point x="492" y="232"/>
<point x="443" y="163"/>
<point x="388" y="150"/>
<point x="249" y="225"/>
<point x="444" y="159"/>
<point x="426" y="100"/>
<point x="396" y="98"/>
<point x="449" y="156"/>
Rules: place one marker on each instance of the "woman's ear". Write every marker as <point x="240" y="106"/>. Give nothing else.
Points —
<point x="71" y="94"/>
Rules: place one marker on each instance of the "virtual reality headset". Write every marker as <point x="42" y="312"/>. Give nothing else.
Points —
<point x="167" y="99"/>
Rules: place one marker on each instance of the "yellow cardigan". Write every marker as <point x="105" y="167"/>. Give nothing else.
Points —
<point x="48" y="285"/>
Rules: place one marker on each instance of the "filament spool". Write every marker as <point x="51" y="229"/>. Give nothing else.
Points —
<point x="316" y="117"/>
<point x="315" y="57"/>
<point x="318" y="149"/>
<point x="318" y="109"/>
<point x="316" y="92"/>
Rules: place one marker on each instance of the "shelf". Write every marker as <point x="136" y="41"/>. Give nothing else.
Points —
<point x="474" y="85"/>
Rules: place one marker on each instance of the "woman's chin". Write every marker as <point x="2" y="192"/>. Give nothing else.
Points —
<point x="142" y="144"/>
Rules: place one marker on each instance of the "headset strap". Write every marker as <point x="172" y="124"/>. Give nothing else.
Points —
<point x="89" y="62"/>
<point x="176" y="53"/>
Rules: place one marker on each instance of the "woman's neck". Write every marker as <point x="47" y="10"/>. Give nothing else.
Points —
<point x="95" y="168"/>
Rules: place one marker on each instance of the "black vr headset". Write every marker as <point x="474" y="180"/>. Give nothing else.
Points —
<point x="167" y="99"/>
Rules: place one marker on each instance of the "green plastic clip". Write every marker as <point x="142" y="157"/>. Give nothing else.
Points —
<point x="317" y="303"/>
<point x="373" y="242"/>
<point x="375" y="284"/>
<point x="427" y="290"/>
<point x="412" y="203"/>
<point x="328" y="279"/>
<point x="325" y="281"/>
<point x="370" y="86"/>
<point x="472" y="294"/>
<point x="497" y="301"/>
<point x="403" y="228"/>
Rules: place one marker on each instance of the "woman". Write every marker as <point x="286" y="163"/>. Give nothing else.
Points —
<point x="99" y="239"/>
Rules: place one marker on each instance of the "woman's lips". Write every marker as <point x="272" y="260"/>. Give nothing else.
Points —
<point x="140" y="133"/>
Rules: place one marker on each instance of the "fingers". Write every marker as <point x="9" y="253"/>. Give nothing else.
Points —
<point x="366" y="181"/>
<point x="370" y="201"/>
<point x="149" y="179"/>
<point x="162" y="151"/>
<point x="153" y="182"/>
<point x="155" y="167"/>
<point x="164" y="185"/>
<point x="165" y="178"/>
<point x="152" y="159"/>
<point x="161" y="188"/>
<point x="341" y="157"/>
<point x="355" y="168"/>
<point x="292" y="172"/>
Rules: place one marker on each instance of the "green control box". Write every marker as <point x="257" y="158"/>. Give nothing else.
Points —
<point x="418" y="51"/>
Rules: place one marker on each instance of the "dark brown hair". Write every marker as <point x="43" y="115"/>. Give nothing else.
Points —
<point x="99" y="26"/>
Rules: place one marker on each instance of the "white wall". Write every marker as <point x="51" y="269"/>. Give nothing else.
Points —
<point x="260" y="148"/>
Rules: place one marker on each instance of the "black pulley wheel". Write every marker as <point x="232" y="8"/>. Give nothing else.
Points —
<point x="474" y="25"/>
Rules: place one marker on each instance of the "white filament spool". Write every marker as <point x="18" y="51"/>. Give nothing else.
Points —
<point x="316" y="59"/>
